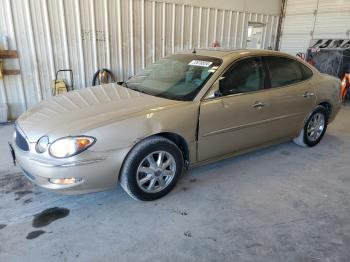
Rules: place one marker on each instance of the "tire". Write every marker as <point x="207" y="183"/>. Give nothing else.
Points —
<point x="159" y="182"/>
<point x="305" y="138"/>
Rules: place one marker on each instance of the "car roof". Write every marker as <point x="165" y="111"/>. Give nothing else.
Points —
<point x="224" y="53"/>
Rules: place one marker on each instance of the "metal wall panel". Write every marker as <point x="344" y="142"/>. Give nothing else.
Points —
<point x="298" y="25"/>
<point x="122" y="35"/>
<point x="11" y="88"/>
<point x="332" y="25"/>
<point x="301" y="7"/>
<point x="333" y="20"/>
<point x="333" y="6"/>
<point x="314" y="19"/>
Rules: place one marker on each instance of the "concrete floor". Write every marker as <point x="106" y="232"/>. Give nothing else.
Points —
<point x="284" y="203"/>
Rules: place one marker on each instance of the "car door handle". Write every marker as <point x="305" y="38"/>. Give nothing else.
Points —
<point x="258" y="105"/>
<point x="308" y="94"/>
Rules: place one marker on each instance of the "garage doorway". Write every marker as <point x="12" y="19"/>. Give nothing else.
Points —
<point x="255" y="35"/>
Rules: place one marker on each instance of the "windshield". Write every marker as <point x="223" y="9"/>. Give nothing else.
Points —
<point x="177" y="77"/>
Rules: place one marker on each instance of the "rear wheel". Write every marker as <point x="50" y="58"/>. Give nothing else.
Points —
<point x="314" y="128"/>
<point x="152" y="169"/>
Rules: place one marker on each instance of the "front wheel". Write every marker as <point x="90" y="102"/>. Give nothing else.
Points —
<point x="314" y="128"/>
<point x="152" y="169"/>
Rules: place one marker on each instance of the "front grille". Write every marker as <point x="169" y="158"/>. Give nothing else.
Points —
<point x="21" y="141"/>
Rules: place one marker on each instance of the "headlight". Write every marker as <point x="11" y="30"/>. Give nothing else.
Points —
<point x="42" y="144"/>
<point x="70" y="146"/>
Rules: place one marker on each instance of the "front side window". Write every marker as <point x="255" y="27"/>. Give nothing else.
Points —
<point x="247" y="75"/>
<point x="177" y="77"/>
<point x="284" y="71"/>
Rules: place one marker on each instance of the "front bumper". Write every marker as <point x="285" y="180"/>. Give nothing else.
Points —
<point x="98" y="171"/>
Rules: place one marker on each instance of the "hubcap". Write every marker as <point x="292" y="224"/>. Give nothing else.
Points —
<point x="315" y="127"/>
<point x="156" y="172"/>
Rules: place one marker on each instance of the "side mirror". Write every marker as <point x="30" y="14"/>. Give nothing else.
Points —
<point x="217" y="93"/>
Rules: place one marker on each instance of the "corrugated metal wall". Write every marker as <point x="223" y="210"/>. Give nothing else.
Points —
<point x="298" y="24"/>
<point x="314" y="19"/>
<point x="123" y="35"/>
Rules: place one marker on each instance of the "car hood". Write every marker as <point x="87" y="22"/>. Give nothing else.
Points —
<point x="79" y="111"/>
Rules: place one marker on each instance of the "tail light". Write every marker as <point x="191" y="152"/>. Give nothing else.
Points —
<point x="343" y="87"/>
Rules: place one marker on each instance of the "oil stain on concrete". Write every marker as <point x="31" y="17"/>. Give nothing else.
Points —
<point x="27" y="201"/>
<point x="22" y="193"/>
<point x="179" y="212"/>
<point x="14" y="182"/>
<point x="47" y="216"/>
<point x="35" y="234"/>
<point x="188" y="234"/>
<point x="285" y="153"/>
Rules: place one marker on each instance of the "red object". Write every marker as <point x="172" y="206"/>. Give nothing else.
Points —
<point x="345" y="87"/>
<point x="215" y="44"/>
<point x="311" y="62"/>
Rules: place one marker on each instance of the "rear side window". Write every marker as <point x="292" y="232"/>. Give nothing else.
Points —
<point x="284" y="71"/>
<point x="307" y="72"/>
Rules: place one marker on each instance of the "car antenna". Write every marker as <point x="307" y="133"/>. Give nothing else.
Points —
<point x="194" y="51"/>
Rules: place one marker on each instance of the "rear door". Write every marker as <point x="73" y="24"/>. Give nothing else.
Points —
<point x="291" y="95"/>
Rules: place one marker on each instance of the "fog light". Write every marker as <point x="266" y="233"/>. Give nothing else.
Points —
<point x="65" y="181"/>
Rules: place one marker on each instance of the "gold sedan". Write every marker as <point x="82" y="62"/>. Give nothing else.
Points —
<point x="184" y="110"/>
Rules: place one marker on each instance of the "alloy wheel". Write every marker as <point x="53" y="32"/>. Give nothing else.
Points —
<point x="316" y="126"/>
<point x="156" y="172"/>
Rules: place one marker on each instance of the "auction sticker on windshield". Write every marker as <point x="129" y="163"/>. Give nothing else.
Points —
<point x="200" y="63"/>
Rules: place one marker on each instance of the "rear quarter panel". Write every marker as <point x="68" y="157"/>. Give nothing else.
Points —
<point x="327" y="90"/>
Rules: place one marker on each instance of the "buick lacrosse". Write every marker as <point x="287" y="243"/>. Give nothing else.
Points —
<point x="184" y="110"/>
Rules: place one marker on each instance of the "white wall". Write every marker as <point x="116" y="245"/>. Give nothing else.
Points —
<point x="314" y="19"/>
<point x="255" y="6"/>
<point x="122" y="35"/>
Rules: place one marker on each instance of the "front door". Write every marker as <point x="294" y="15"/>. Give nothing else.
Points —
<point x="239" y="119"/>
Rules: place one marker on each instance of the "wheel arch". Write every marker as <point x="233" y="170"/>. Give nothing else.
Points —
<point x="328" y="106"/>
<point x="175" y="138"/>
<point x="180" y="142"/>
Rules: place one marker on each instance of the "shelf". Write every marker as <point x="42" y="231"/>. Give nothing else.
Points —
<point x="7" y="54"/>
